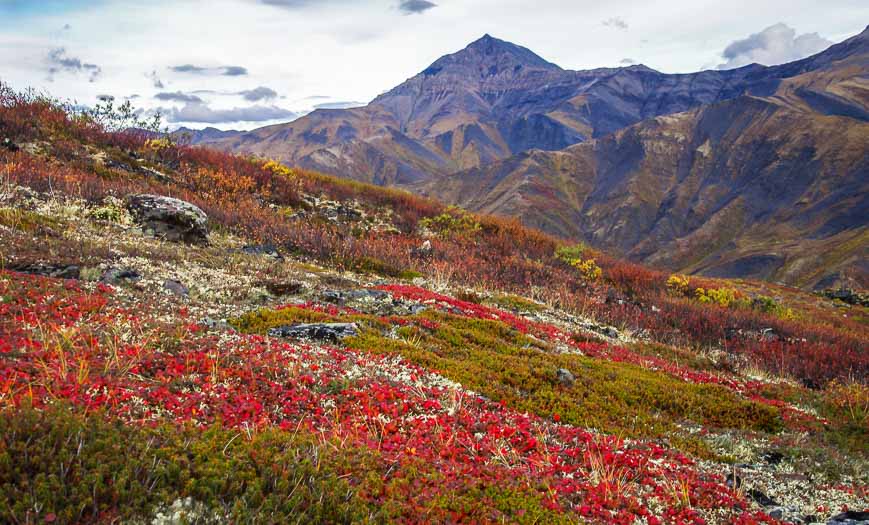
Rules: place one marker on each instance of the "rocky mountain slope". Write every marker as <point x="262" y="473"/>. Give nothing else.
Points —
<point x="759" y="172"/>
<point x="772" y="187"/>
<point x="486" y="102"/>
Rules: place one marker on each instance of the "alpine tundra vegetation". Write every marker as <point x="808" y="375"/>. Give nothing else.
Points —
<point x="285" y="326"/>
<point x="456" y="368"/>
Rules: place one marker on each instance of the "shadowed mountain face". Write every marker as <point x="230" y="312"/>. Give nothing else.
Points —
<point x="486" y="102"/>
<point x="757" y="171"/>
<point x="772" y="187"/>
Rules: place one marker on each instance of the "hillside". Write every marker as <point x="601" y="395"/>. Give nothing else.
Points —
<point x="766" y="163"/>
<point x="190" y="336"/>
<point x="727" y="190"/>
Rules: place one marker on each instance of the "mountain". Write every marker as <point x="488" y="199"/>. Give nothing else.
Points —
<point x="483" y="103"/>
<point x="772" y="187"/>
<point x="744" y="170"/>
<point x="198" y="136"/>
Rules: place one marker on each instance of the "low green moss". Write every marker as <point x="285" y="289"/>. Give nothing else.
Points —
<point x="260" y="321"/>
<point x="503" y="364"/>
<point x="515" y="303"/>
<point x="62" y="466"/>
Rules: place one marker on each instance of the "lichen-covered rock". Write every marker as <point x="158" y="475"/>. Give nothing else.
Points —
<point x="59" y="271"/>
<point x="331" y="332"/>
<point x="176" y="287"/>
<point x="115" y="276"/>
<point x="169" y="218"/>
<point x="848" y="296"/>
<point x="565" y="377"/>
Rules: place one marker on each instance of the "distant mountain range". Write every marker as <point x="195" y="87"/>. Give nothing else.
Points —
<point x="753" y="172"/>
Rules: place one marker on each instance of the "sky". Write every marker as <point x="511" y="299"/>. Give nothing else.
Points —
<point x="242" y="64"/>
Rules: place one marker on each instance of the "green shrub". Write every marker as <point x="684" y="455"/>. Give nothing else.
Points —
<point x="65" y="467"/>
<point x="453" y="222"/>
<point x="570" y="253"/>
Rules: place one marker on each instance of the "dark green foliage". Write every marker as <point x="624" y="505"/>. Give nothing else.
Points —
<point x="85" y="469"/>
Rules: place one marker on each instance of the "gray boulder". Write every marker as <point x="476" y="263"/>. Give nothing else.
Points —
<point x="176" y="287"/>
<point x="332" y="332"/>
<point x="850" y="517"/>
<point x="169" y="218"/>
<point x="115" y="276"/>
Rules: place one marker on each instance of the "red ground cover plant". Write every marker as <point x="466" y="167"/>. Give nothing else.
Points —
<point x="60" y="341"/>
<point x="501" y="255"/>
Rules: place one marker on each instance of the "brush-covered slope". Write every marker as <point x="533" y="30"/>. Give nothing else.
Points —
<point x="772" y="187"/>
<point x="191" y="336"/>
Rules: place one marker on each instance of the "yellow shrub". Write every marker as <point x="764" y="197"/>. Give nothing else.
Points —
<point x="158" y="145"/>
<point x="725" y="297"/>
<point x="588" y="268"/>
<point x="678" y="285"/>
<point x="278" y="169"/>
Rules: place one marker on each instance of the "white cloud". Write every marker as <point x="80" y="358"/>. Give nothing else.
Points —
<point x="202" y="113"/>
<point x="341" y="104"/>
<point x="776" y="44"/>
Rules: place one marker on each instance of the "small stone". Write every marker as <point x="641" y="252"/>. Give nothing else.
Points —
<point x="267" y="250"/>
<point x="9" y="145"/>
<point x="768" y="334"/>
<point x="565" y="377"/>
<point x="333" y="296"/>
<point x="176" y="287"/>
<point x="772" y="457"/>
<point x="762" y="499"/>
<point x="116" y="276"/>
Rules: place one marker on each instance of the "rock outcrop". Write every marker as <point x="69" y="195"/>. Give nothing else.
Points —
<point x="169" y="218"/>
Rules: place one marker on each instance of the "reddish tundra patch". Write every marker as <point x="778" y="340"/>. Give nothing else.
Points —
<point x="61" y="341"/>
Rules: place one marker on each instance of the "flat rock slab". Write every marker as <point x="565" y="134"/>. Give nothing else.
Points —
<point x="331" y="332"/>
<point x="169" y="218"/>
<point x="60" y="271"/>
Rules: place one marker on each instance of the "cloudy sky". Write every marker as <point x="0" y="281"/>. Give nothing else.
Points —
<point x="247" y="63"/>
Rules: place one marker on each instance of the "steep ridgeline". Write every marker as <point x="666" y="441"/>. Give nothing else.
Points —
<point x="484" y="103"/>
<point x="773" y="187"/>
<point x="750" y="167"/>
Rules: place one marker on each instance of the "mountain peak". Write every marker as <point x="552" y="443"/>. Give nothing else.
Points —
<point x="494" y="54"/>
